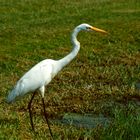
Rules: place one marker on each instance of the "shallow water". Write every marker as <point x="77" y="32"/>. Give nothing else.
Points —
<point x="88" y="121"/>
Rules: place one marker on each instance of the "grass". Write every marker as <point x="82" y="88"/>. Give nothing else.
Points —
<point x="101" y="80"/>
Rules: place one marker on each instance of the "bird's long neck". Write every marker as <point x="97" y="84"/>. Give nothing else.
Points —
<point x="76" y="47"/>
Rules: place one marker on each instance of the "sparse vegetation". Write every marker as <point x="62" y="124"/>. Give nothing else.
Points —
<point x="101" y="80"/>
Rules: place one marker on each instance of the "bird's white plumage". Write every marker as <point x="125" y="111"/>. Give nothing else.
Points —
<point x="42" y="73"/>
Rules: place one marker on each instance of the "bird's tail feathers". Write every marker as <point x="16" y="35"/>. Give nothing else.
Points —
<point x="14" y="93"/>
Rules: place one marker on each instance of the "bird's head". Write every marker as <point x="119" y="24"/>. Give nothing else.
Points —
<point x="88" y="27"/>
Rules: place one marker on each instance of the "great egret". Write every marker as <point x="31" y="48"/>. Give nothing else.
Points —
<point x="42" y="73"/>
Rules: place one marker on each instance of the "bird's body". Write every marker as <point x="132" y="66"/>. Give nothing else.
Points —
<point x="35" y="79"/>
<point x="42" y="73"/>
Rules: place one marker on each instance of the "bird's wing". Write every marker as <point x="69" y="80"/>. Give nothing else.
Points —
<point x="40" y="75"/>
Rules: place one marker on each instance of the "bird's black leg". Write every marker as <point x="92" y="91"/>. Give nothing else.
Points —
<point x="45" y="114"/>
<point x="30" y="112"/>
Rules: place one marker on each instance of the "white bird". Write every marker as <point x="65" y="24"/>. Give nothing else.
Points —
<point x="42" y="73"/>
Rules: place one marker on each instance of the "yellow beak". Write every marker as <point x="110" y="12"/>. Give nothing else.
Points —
<point x="98" y="30"/>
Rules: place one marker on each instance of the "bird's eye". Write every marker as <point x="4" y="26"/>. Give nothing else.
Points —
<point x="87" y="28"/>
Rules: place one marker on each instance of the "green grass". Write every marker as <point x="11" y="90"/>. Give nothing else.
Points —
<point x="101" y="80"/>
